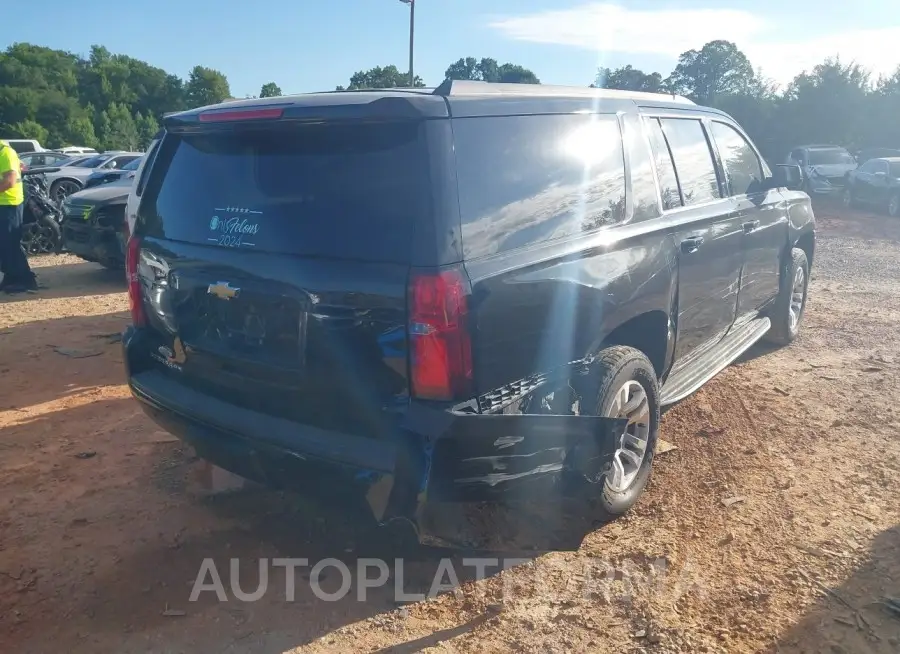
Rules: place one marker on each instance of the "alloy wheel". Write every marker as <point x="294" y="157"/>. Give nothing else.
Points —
<point x="632" y="403"/>
<point x="63" y="190"/>
<point x="848" y="198"/>
<point x="798" y="296"/>
<point x="38" y="239"/>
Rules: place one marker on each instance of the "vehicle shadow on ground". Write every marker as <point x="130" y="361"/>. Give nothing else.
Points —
<point x="849" y="619"/>
<point x="117" y="560"/>
<point x="333" y="550"/>
<point x="757" y="351"/>
<point x="71" y="280"/>
<point x="46" y="360"/>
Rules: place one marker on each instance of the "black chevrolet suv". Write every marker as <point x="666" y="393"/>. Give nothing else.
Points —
<point x="478" y="294"/>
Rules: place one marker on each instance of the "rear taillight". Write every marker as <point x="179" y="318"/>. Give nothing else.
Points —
<point x="440" y="343"/>
<point x="135" y="301"/>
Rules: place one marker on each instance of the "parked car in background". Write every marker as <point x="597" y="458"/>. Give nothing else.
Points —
<point x="93" y="223"/>
<point x="825" y="167"/>
<point x="100" y="177"/>
<point x="75" y="149"/>
<point x="875" y="184"/>
<point x="481" y="293"/>
<point x="71" y="179"/>
<point x="45" y="158"/>
<point x="875" y="153"/>
<point x="25" y="145"/>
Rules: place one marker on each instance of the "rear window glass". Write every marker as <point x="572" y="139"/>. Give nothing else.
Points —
<point x="348" y="191"/>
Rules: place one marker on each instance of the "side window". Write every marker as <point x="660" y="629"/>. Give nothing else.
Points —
<point x="146" y="164"/>
<point x="693" y="160"/>
<point x="881" y="166"/>
<point x="124" y="161"/>
<point x="665" y="169"/>
<point x="528" y="179"/>
<point x="868" y="167"/>
<point x="742" y="168"/>
<point x="644" y="198"/>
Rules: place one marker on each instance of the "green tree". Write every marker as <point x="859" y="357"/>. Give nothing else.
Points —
<point x="388" y="77"/>
<point x="147" y="127"/>
<point x="488" y="70"/>
<point x="119" y="131"/>
<point x="270" y="90"/>
<point x="79" y="130"/>
<point x="829" y="105"/>
<point x="628" y="78"/>
<point x="718" y="68"/>
<point x="206" y="86"/>
<point x="28" y="129"/>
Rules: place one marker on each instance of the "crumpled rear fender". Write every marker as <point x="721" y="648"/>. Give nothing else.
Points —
<point x="504" y="459"/>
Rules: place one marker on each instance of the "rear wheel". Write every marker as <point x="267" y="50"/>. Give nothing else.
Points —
<point x="626" y="387"/>
<point x="791" y="302"/>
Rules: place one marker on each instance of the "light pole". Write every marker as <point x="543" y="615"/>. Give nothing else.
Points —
<point x="412" y="38"/>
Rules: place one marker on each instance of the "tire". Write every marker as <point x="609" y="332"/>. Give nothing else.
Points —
<point x="43" y="236"/>
<point x="616" y="368"/>
<point x="893" y="208"/>
<point x="62" y="188"/>
<point x="848" y="200"/>
<point x="785" y="329"/>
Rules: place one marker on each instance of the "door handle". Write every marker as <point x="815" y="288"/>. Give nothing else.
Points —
<point x="750" y="225"/>
<point x="691" y="244"/>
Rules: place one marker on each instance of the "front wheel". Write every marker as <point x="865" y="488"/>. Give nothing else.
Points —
<point x="43" y="236"/>
<point x="63" y="188"/>
<point x="893" y="208"/>
<point x="849" y="201"/>
<point x="626" y="387"/>
<point x="790" y="305"/>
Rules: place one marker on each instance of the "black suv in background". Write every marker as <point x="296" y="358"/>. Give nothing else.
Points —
<point x="476" y="295"/>
<point x="875" y="184"/>
<point x="93" y="225"/>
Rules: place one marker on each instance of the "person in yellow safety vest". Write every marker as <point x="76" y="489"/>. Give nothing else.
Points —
<point x="17" y="275"/>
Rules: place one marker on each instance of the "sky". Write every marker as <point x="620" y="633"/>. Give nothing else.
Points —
<point x="311" y="45"/>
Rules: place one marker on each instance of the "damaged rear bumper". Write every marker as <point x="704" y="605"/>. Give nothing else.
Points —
<point x="439" y="461"/>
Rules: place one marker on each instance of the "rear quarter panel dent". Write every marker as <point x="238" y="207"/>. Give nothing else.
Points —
<point x="540" y="317"/>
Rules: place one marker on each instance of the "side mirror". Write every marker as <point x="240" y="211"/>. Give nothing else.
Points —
<point x="788" y="176"/>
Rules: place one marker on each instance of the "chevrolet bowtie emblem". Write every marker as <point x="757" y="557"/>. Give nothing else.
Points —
<point x="223" y="290"/>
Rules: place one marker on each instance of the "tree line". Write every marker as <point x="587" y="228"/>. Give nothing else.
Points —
<point x="113" y="101"/>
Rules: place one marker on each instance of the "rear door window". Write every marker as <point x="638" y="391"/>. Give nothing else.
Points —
<point x="665" y="169"/>
<point x="527" y="179"/>
<point x="644" y="195"/>
<point x="693" y="160"/>
<point x="333" y="190"/>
